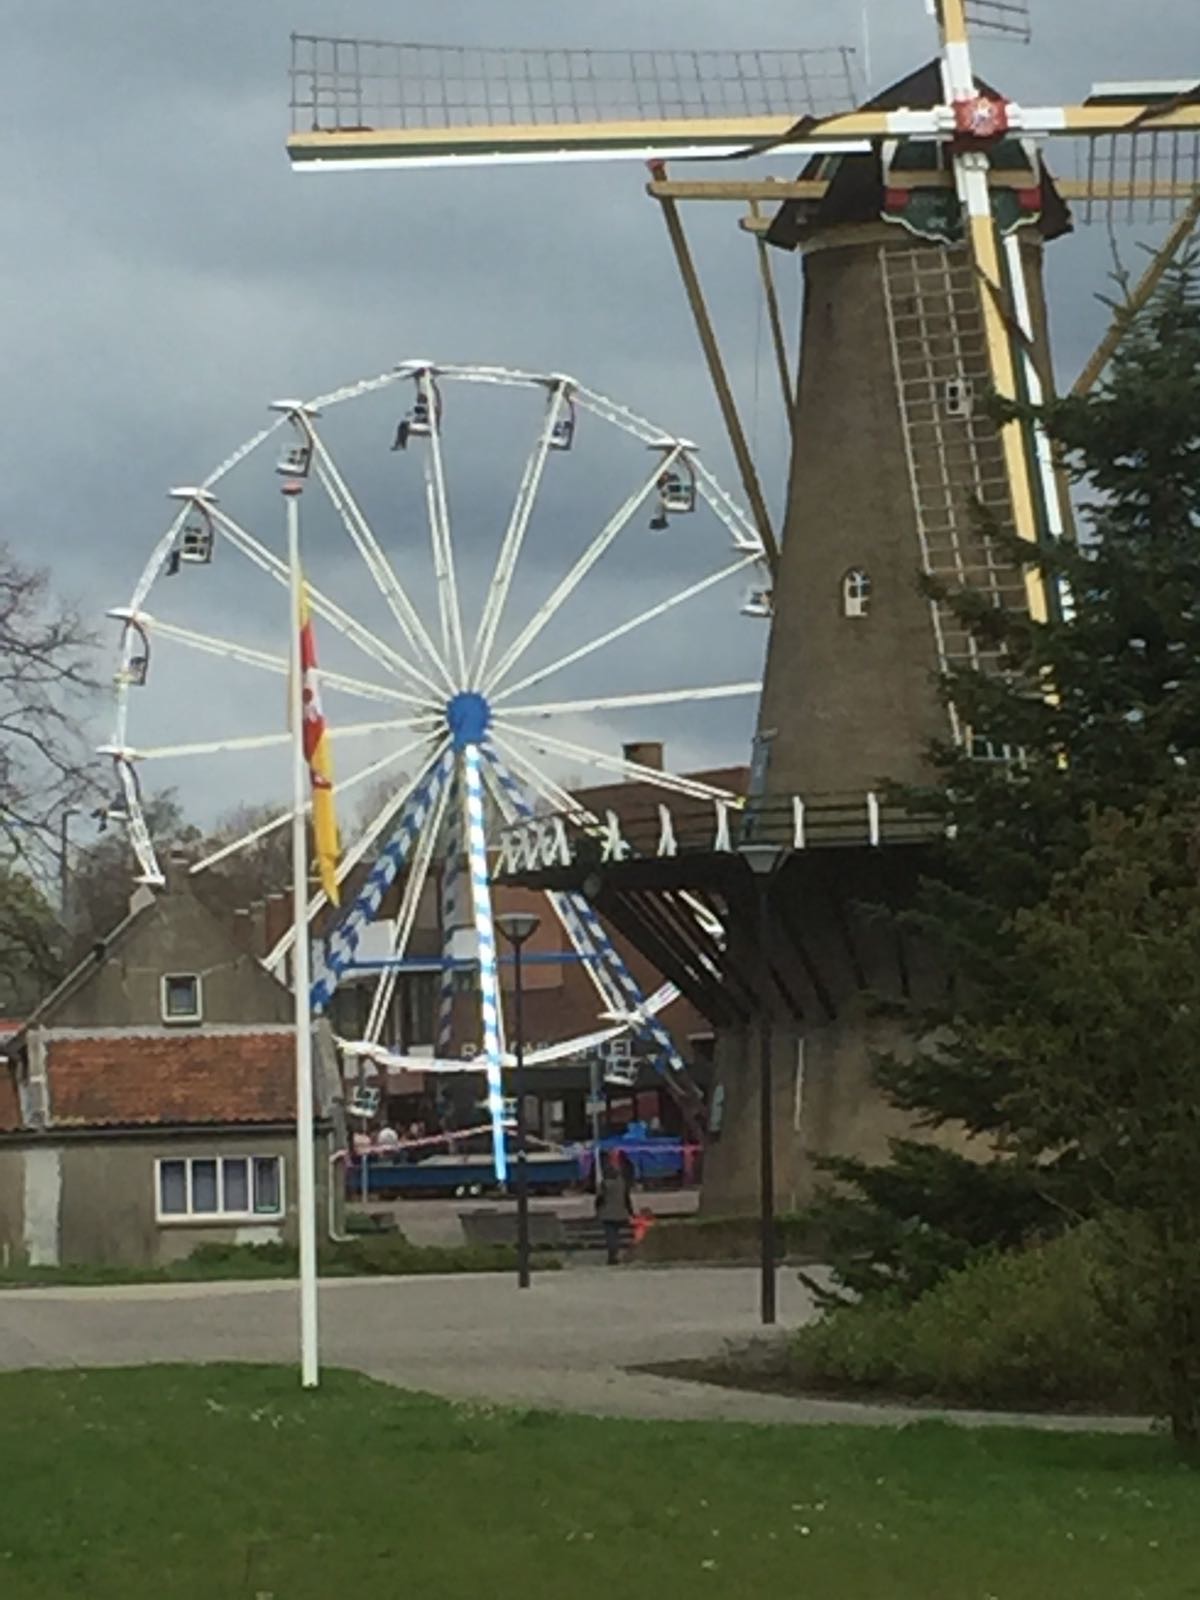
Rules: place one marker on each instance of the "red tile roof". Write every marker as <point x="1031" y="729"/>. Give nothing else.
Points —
<point x="171" y="1079"/>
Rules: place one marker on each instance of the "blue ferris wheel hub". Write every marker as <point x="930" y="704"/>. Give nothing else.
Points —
<point x="468" y="716"/>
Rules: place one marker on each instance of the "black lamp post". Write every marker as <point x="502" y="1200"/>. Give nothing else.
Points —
<point x="763" y="861"/>
<point x="517" y="926"/>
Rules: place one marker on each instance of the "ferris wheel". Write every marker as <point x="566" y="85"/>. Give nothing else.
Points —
<point x="465" y="736"/>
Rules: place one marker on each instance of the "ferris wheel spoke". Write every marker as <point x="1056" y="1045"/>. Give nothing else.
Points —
<point x="263" y="741"/>
<point x="449" y="614"/>
<point x="608" y="762"/>
<point x="383" y="818"/>
<point x="649" y="615"/>
<point x="514" y="536"/>
<point x="401" y="927"/>
<point x="369" y="643"/>
<point x="235" y="846"/>
<point x="248" y="655"/>
<point x="612" y="528"/>
<point x="378" y="565"/>
<point x="542" y="783"/>
<point x="617" y="702"/>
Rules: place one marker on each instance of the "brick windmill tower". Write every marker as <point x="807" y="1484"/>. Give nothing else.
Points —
<point x="922" y="218"/>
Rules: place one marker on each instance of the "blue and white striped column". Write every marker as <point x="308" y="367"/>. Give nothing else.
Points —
<point x="489" y="985"/>
<point x="451" y="872"/>
<point x="342" y="944"/>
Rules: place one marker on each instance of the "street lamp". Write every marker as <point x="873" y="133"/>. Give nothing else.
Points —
<point x="517" y="927"/>
<point x="763" y="860"/>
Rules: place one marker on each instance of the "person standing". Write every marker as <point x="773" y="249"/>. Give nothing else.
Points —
<point x="614" y="1202"/>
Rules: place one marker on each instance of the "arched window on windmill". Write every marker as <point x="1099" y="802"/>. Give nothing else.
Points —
<point x="856" y="593"/>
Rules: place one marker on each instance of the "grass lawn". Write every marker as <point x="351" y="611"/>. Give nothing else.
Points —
<point x="225" y="1482"/>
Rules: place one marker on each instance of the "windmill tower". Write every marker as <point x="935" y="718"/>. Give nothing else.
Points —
<point x="922" y="218"/>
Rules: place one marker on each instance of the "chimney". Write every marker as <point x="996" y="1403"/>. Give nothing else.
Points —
<point x="278" y="919"/>
<point x="258" y="927"/>
<point x="178" y="869"/>
<point x="646" y="752"/>
<point x="243" y="930"/>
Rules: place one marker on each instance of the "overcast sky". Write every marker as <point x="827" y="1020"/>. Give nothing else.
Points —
<point x="164" y="276"/>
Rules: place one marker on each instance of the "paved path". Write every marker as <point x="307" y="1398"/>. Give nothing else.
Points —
<point x="565" y="1343"/>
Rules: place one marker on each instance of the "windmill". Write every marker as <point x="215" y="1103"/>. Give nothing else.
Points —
<point x="921" y="217"/>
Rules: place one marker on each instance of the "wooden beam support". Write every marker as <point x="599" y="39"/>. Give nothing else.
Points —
<point x="1149" y="282"/>
<point x="720" y="381"/>
<point x="767" y="273"/>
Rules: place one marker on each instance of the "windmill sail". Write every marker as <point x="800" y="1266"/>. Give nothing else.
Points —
<point x="416" y="104"/>
<point x="1008" y="17"/>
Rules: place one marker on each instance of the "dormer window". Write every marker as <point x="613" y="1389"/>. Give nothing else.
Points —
<point x="181" y="997"/>
<point x="856" y="593"/>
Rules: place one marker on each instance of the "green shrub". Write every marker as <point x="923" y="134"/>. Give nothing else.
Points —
<point x="1020" y="1329"/>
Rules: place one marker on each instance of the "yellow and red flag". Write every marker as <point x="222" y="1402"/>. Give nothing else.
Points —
<point x="316" y="754"/>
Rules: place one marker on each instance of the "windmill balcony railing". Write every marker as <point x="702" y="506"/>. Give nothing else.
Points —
<point x="695" y="826"/>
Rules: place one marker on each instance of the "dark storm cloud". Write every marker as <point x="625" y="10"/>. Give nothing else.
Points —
<point x="164" y="275"/>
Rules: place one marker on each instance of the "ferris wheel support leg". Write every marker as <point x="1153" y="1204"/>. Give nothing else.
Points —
<point x="343" y="942"/>
<point x="590" y="939"/>
<point x="401" y="930"/>
<point x="451" y="873"/>
<point x="489" y="985"/>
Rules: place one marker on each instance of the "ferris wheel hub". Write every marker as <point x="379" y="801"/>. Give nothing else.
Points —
<point x="468" y="717"/>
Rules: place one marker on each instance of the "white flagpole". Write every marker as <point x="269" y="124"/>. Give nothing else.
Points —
<point x="306" y="1199"/>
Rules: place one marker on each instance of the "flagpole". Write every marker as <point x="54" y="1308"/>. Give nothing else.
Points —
<point x="306" y="1199"/>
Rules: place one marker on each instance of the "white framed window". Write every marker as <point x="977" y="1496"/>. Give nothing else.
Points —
<point x="182" y="997"/>
<point x="856" y="593"/>
<point x="218" y="1188"/>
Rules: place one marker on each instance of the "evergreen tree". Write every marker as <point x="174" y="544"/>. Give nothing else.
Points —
<point x="1099" y="711"/>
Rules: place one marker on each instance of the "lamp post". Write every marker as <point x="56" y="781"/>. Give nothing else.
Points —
<point x="763" y="860"/>
<point x="64" y="862"/>
<point x="517" y="927"/>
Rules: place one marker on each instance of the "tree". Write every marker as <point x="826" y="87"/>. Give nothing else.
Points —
<point x="1100" y="707"/>
<point x="1101" y="1048"/>
<point x="31" y="946"/>
<point x="45" y="680"/>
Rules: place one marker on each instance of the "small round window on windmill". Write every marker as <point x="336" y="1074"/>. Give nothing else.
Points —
<point x="856" y="593"/>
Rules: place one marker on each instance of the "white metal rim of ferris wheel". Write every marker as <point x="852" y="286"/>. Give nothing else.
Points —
<point x="461" y="708"/>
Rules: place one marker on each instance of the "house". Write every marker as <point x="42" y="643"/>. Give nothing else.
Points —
<point x="148" y="1104"/>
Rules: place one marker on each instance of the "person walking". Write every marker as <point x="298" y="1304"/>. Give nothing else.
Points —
<point x="614" y="1202"/>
